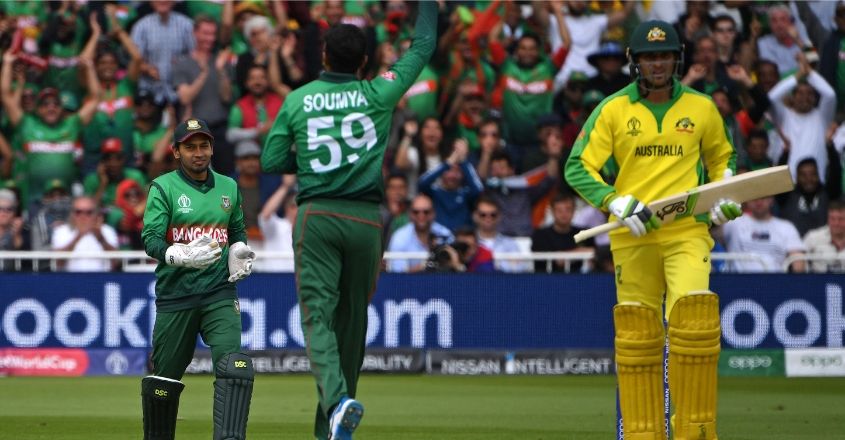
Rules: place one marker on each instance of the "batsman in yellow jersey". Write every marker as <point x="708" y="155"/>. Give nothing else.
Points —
<point x="658" y="138"/>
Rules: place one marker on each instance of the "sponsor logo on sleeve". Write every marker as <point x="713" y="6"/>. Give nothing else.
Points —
<point x="389" y="75"/>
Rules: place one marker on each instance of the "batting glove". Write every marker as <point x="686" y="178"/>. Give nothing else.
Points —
<point x="724" y="211"/>
<point x="240" y="261"/>
<point x="198" y="254"/>
<point x="636" y="216"/>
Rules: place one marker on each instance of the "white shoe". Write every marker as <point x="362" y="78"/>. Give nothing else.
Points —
<point x="345" y="418"/>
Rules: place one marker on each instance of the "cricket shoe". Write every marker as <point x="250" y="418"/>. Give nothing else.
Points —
<point x="345" y="418"/>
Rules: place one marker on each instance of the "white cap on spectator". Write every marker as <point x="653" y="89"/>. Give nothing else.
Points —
<point x="257" y="22"/>
<point x="8" y="195"/>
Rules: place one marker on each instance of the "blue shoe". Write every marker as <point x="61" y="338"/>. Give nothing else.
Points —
<point x="345" y="418"/>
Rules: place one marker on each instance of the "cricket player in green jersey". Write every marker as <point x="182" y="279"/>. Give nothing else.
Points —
<point x="339" y="126"/>
<point x="194" y="227"/>
<point x="664" y="138"/>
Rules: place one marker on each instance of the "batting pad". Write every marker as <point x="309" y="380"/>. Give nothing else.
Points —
<point x="232" y="395"/>
<point x="160" y="405"/>
<point x="639" y="370"/>
<point x="694" y="346"/>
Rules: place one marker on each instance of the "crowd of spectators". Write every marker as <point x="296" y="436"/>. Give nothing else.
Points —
<point x="91" y="92"/>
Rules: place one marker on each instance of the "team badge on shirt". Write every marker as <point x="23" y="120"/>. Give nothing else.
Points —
<point x="685" y="125"/>
<point x="655" y="34"/>
<point x="226" y="203"/>
<point x="389" y="75"/>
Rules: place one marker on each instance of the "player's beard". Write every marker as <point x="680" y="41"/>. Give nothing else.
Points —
<point x="194" y="169"/>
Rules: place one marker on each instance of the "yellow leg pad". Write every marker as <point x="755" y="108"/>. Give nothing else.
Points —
<point x="639" y="369"/>
<point x="694" y="346"/>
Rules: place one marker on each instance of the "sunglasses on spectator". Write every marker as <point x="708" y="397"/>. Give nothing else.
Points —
<point x="421" y="211"/>
<point x="83" y="211"/>
<point x="7" y="209"/>
<point x="490" y="214"/>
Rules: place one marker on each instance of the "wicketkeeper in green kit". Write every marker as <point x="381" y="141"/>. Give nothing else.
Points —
<point x="332" y="133"/>
<point x="194" y="227"/>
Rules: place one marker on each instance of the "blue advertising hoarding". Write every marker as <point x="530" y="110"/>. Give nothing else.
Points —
<point x="464" y="311"/>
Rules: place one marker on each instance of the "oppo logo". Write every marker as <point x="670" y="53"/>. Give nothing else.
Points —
<point x="749" y="362"/>
<point x="821" y="361"/>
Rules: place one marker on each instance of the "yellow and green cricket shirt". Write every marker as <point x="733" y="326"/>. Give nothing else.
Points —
<point x="654" y="150"/>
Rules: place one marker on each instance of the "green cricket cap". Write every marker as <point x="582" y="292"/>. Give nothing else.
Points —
<point x="654" y="36"/>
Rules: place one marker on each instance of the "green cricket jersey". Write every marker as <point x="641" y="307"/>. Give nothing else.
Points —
<point x="179" y="210"/>
<point x="51" y="151"/>
<point x="115" y="117"/>
<point x="526" y="94"/>
<point x="340" y="125"/>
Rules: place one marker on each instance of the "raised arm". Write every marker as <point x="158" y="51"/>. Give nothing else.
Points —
<point x="408" y="68"/>
<point x="827" y="101"/>
<point x="616" y="18"/>
<point x="133" y="70"/>
<point x="86" y="113"/>
<point x="11" y="101"/>
<point x="91" y="45"/>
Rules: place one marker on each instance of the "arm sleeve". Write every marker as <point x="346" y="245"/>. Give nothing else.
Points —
<point x="778" y="92"/>
<point x="827" y="96"/>
<point x="426" y="182"/>
<point x="156" y="219"/>
<point x="717" y="150"/>
<point x="592" y="149"/>
<point x="277" y="156"/>
<point x="471" y="180"/>
<point x="237" y="229"/>
<point x="408" y="68"/>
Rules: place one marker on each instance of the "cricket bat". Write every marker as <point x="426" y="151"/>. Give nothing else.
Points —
<point x="740" y="188"/>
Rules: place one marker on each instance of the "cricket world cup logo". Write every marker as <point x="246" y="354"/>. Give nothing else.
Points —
<point x="184" y="203"/>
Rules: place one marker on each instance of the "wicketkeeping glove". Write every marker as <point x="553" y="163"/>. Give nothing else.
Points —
<point x="636" y="216"/>
<point x="198" y="254"/>
<point x="724" y="211"/>
<point x="240" y="261"/>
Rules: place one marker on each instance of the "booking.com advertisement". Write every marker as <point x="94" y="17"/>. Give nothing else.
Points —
<point x="108" y="317"/>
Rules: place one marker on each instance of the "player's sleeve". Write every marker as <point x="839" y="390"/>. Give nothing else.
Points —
<point x="591" y="151"/>
<point x="237" y="227"/>
<point x="396" y="81"/>
<point x="156" y="219"/>
<point x="278" y="156"/>
<point x="717" y="149"/>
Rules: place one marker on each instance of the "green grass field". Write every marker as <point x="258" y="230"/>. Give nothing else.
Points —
<point x="416" y="407"/>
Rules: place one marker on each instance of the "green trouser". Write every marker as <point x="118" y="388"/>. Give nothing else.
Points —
<point x="338" y="251"/>
<point x="175" y="336"/>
